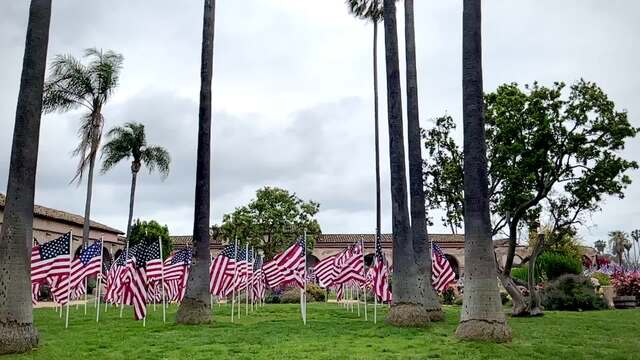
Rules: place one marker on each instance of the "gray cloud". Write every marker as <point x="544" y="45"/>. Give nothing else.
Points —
<point x="292" y="95"/>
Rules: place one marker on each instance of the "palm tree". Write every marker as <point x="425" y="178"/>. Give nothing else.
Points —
<point x="404" y="311"/>
<point x="17" y="332"/>
<point x="371" y="10"/>
<point x="481" y="317"/>
<point x="618" y="241"/>
<point x="130" y="141"/>
<point x="422" y="286"/>
<point x="600" y="245"/>
<point x="72" y="85"/>
<point x="195" y="308"/>
<point x="635" y="234"/>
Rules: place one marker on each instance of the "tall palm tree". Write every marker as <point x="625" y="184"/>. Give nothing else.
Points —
<point x="130" y="141"/>
<point x="618" y="241"/>
<point x="195" y="308"/>
<point x="371" y="10"/>
<point x="422" y="285"/>
<point x="17" y="333"/>
<point x="404" y="311"/>
<point x="481" y="317"/>
<point x="72" y="85"/>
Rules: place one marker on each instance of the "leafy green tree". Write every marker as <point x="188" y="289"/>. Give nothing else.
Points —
<point x="72" y="85"/>
<point x="544" y="150"/>
<point x="195" y="308"/>
<point x="130" y="141"/>
<point x="482" y="317"/>
<point x="17" y="330"/>
<point x="148" y="232"/>
<point x="272" y="221"/>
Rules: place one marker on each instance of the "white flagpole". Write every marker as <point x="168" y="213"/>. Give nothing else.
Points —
<point x="235" y="272"/>
<point x="246" y="283"/>
<point x="375" y="297"/>
<point x="126" y="255"/>
<point x="253" y="262"/>
<point x="99" y="281"/>
<point x="164" y="301"/>
<point x="66" y="320"/>
<point x="358" y="298"/>
<point x="364" y="288"/>
<point x="304" y="280"/>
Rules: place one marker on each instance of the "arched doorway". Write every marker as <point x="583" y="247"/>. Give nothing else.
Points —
<point x="454" y="265"/>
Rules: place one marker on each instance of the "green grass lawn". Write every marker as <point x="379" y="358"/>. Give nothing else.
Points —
<point x="276" y="332"/>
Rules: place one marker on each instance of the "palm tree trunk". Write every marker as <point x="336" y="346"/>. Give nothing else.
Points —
<point x="86" y="227"/>
<point x="421" y="246"/>
<point x="132" y="195"/>
<point x="377" y="129"/>
<point x="17" y="333"/>
<point x="404" y="311"/>
<point x="481" y="317"/>
<point x="196" y="309"/>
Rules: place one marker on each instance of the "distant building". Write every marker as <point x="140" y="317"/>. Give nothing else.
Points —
<point x="49" y="224"/>
<point x="329" y="244"/>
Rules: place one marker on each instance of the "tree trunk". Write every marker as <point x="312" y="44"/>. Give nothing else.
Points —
<point x="422" y="283"/>
<point x="534" y="308"/>
<point x="135" y="167"/>
<point x="519" y="303"/>
<point x="481" y="317"/>
<point x="404" y="311"/>
<point x="196" y="309"/>
<point x="377" y="129"/>
<point x="86" y="227"/>
<point x="17" y="333"/>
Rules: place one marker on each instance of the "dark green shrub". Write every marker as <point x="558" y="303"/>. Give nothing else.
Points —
<point x="458" y="301"/>
<point x="552" y="265"/>
<point x="290" y="296"/>
<point x="504" y="297"/>
<point x="572" y="292"/>
<point x="315" y="293"/>
<point x="272" y="298"/>
<point x="448" y="296"/>
<point x="520" y="273"/>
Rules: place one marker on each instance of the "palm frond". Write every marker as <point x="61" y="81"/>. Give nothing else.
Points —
<point x="90" y="134"/>
<point x="366" y="9"/>
<point x="157" y="157"/>
<point x="105" y="67"/>
<point x="68" y="85"/>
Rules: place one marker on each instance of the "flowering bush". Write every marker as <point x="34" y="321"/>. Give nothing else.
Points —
<point x="626" y="283"/>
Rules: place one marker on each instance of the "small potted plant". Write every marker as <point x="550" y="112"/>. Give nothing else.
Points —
<point x="627" y="287"/>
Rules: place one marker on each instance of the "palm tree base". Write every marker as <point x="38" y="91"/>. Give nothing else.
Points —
<point x="193" y="312"/>
<point x="408" y="315"/>
<point x="17" y="338"/>
<point x="484" y="330"/>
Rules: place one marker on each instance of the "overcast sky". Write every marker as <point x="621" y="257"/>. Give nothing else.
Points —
<point x="292" y="95"/>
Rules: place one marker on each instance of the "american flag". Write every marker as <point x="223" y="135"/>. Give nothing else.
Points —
<point x="51" y="258"/>
<point x="115" y="275"/>
<point x="135" y="281"/>
<point x="380" y="275"/>
<point x="176" y="272"/>
<point x="258" y="282"/>
<point x="35" y="289"/>
<point x="339" y="292"/>
<point x="153" y="261"/>
<point x="441" y="272"/>
<point x="351" y="266"/>
<point x="291" y="263"/>
<point x="88" y="263"/>
<point x="222" y="271"/>
<point x="326" y="270"/>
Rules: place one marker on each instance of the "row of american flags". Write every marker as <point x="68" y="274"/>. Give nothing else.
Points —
<point x="140" y="276"/>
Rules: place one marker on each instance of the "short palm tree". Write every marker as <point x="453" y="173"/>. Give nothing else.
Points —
<point x="17" y="331"/>
<point x="618" y="241"/>
<point x="73" y="85"/>
<point x="482" y="317"/>
<point x="635" y="235"/>
<point x="130" y="142"/>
